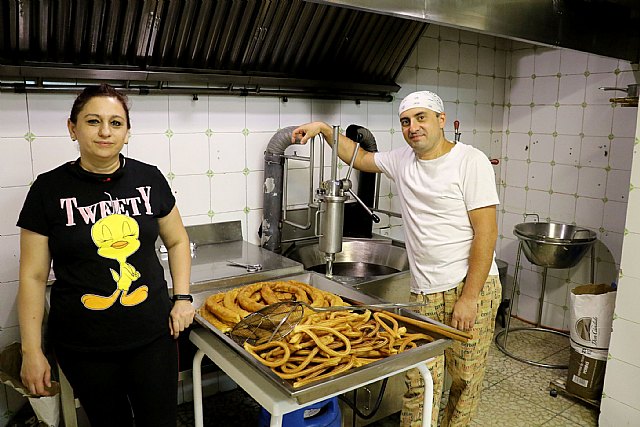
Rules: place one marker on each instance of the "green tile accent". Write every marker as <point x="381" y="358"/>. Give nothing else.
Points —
<point x="533" y="76"/>
<point x="210" y="214"/>
<point x="557" y="105"/>
<point x="208" y="132"/>
<point x="552" y="162"/>
<point x="611" y="137"/>
<point x="245" y="171"/>
<point x="29" y="136"/>
<point x="530" y="133"/>
<point x="559" y="75"/>
<point x="246" y="209"/>
<point x="392" y="131"/>
<point x="554" y="134"/>
<point x="245" y="131"/>
<point x="209" y="173"/>
<point x="533" y="104"/>
<point x="587" y="73"/>
<point x="617" y="71"/>
<point x="168" y="133"/>
<point x="583" y="105"/>
<point x="171" y="176"/>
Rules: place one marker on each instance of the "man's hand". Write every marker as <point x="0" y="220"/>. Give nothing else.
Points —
<point x="304" y="133"/>
<point x="181" y="317"/>
<point x="464" y="313"/>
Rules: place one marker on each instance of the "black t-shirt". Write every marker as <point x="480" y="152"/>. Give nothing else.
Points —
<point x="102" y="231"/>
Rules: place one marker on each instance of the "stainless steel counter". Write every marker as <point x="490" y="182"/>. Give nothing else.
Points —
<point x="210" y="269"/>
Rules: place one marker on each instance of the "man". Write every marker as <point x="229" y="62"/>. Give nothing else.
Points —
<point x="448" y="202"/>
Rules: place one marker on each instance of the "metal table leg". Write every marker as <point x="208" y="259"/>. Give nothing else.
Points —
<point x="197" y="389"/>
<point x="504" y="334"/>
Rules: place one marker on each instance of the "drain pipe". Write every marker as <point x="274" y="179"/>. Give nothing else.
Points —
<point x="271" y="227"/>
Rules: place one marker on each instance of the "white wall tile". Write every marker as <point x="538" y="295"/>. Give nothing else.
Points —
<point x="621" y="154"/>
<point x="255" y="199"/>
<point x="597" y="120"/>
<point x="594" y="151"/>
<point x="428" y="52"/>
<point x="254" y="220"/>
<point x="593" y="93"/>
<point x="624" y="343"/>
<point x="15" y="162"/>
<point x="295" y="112"/>
<point x="263" y="114"/>
<point x="8" y="336"/>
<point x="380" y="116"/>
<point x="538" y="202"/>
<point x="614" y="413"/>
<point x="624" y="124"/>
<point x="326" y="111"/>
<point x="467" y="87"/>
<point x="633" y="219"/>
<point x="592" y="182"/>
<point x="519" y="119"/>
<point x="149" y="114"/>
<point x="426" y="80"/>
<point x="227" y="151"/>
<point x="589" y="212"/>
<point x="541" y="148"/>
<point x="449" y="33"/>
<point x="620" y="384"/>
<point x="627" y="298"/>
<point x="614" y="216"/>
<point x="227" y="114"/>
<point x="482" y="122"/>
<point x="521" y="92"/>
<point x="229" y="192"/>
<point x="566" y="149"/>
<point x="49" y="153"/>
<point x="192" y="194"/>
<point x="601" y="64"/>
<point x="539" y="176"/>
<point x="569" y="120"/>
<point x="13" y="108"/>
<point x="545" y="90"/>
<point x="571" y="89"/>
<point x="486" y="61"/>
<point x="629" y="263"/>
<point x="256" y="144"/>
<point x="547" y="62"/>
<point x="189" y="153"/>
<point x="188" y="115"/>
<point x="8" y="307"/>
<point x="9" y="258"/>
<point x="565" y="179"/>
<point x="543" y="119"/>
<point x="151" y="148"/>
<point x="448" y="86"/>
<point x="448" y="57"/>
<point x="48" y="114"/>
<point x="572" y="62"/>
<point x="501" y="63"/>
<point x="522" y="63"/>
<point x="515" y="200"/>
<point x="11" y="200"/>
<point x="617" y="185"/>
<point x="468" y="37"/>
<point x="468" y="58"/>
<point x="562" y="208"/>
<point x="352" y="112"/>
<point x="515" y="173"/>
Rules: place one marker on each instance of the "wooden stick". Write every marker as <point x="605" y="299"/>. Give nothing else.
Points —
<point x="449" y="332"/>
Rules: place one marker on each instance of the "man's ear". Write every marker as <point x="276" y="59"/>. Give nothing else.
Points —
<point x="442" y="119"/>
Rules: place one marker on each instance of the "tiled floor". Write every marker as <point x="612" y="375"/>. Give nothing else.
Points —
<point x="515" y="394"/>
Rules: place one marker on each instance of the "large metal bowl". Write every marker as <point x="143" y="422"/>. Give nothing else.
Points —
<point x="360" y="260"/>
<point x="554" y="245"/>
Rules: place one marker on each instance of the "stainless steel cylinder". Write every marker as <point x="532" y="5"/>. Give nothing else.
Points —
<point x="331" y="222"/>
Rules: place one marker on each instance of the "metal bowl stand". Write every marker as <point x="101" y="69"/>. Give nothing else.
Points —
<point x="502" y="345"/>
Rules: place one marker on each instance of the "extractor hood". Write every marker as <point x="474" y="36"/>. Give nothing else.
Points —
<point x="237" y="47"/>
<point x="604" y="27"/>
<point x="338" y="49"/>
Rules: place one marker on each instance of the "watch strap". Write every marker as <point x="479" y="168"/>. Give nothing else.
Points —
<point x="182" y="297"/>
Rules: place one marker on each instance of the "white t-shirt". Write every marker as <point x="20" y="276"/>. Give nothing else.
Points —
<point x="435" y="197"/>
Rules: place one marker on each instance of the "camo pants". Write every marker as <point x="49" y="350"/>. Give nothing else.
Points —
<point x="465" y="362"/>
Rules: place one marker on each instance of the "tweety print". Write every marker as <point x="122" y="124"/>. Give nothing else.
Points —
<point x="116" y="237"/>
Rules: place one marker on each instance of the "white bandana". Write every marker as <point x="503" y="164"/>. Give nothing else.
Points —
<point x="423" y="99"/>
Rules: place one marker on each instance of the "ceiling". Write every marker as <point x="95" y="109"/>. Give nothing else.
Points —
<point x="236" y="47"/>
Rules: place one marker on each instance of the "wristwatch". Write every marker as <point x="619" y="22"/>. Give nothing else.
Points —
<point x="182" y="297"/>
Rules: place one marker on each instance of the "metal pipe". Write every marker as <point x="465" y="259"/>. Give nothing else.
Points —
<point x="334" y="154"/>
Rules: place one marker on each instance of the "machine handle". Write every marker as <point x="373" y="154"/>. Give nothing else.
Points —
<point x="373" y="216"/>
<point x="353" y="160"/>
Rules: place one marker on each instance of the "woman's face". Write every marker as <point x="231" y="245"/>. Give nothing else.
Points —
<point x="101" y="130"/>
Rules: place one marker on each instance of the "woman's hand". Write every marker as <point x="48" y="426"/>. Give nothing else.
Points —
<point x="181" y="317"/>
<point x="36" y="372"/>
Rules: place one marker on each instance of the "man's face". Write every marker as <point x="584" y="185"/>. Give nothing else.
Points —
<point x="422" y="129"/>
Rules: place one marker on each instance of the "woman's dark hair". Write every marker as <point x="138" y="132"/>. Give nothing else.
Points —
<point x="104" y="90"/>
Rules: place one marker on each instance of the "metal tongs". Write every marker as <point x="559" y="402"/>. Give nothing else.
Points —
<point x="251" y="268"/>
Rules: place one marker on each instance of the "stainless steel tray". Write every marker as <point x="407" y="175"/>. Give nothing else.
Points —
<point x="354" y="376"/>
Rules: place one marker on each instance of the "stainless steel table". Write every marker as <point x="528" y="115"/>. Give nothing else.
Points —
<point x="263" y="390"/>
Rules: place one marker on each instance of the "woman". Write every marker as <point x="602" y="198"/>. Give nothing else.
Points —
<point x="111" y="324"/>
